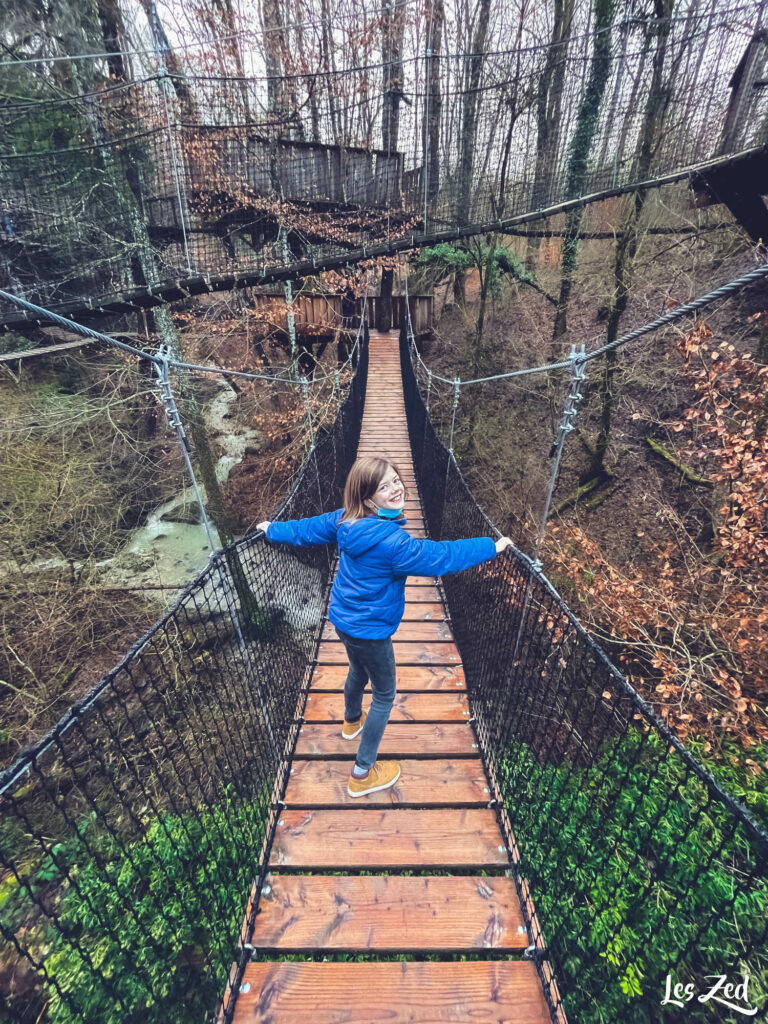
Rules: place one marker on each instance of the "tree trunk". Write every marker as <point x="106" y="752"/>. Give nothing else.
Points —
<point x="392" y="31"/>
<point x="272" y="27"/>
<point x="384" y="320"/>
<point x="477" y="362"/>
<point x="168" y="55"/>
<point x="113" y="33"/>
<point x="586" y="125"/>
<point x="549" y="98"/>
<point x="223" y="16"/>
<point x="628" y="237"/>
<point x="435" y="22"/>
<point x="472" y="74"/>
<point x="329" y="66"/>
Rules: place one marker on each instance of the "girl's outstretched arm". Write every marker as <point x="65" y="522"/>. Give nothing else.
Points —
<point x="303" y="532"/>
<point x="415" y="557"/>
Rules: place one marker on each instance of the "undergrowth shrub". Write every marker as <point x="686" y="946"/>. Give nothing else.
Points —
<point x="142" y="930"/>
<point x="635" y="873"/>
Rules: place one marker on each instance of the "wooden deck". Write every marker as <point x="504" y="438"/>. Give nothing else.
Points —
<point x="435" y="819"/>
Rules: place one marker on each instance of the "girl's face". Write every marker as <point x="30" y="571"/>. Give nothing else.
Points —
<point x="390" y="491"/>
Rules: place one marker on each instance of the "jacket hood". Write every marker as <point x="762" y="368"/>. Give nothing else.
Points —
<point x="359" y="535"/>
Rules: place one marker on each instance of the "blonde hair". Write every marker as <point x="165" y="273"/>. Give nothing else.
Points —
<point x="363" y="482"/>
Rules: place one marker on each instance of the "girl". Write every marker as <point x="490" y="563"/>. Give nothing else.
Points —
<point x="376" y="555"/>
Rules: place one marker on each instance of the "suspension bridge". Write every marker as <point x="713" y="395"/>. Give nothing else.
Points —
<point x="203" y="780"/>
<point x="438" y="818"/>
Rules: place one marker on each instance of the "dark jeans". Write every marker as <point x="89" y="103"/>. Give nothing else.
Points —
<point x="374" y="660"/>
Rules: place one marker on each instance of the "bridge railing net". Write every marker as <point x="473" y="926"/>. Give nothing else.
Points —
<point x="133" y="183"/>
<point x="131" y="835"/>
<point x="636" y="864"/>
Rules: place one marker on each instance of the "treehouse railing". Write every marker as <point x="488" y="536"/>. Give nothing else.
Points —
<point x="132" y="833"/>
<point x="638" y="864"/>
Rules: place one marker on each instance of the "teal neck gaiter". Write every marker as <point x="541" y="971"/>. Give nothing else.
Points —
<point x="389" y="513"/>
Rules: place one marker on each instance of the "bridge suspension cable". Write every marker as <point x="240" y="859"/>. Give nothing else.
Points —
<point x="180" y="364"/>
<point x="679" y="313"/>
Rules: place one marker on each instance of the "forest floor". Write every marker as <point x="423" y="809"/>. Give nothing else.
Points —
<point x="665" y="567"/>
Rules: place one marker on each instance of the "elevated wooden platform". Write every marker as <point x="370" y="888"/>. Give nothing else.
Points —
<point x="436" y="820"/>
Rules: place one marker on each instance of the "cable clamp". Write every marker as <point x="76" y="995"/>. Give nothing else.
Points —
<point x="535" y="953"/>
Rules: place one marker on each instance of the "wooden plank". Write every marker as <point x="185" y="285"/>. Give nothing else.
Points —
<point x="383" y="440"/>
<point x="443" y="783"/>
<point x="425" y="629"/>
<point x="46" y="350"/>
<point x="407" y="474"/>
<point x="418" y="584"/>
<point x="388" y="913"/>
<point x="407" y="652"/>
<point x="419" y="594"/>
<point x="483" y="992"/>
<point x="409" y="677"/>
<point x="401" y="452"/>
<point x="425" y="611"/>
<point x="408" y="707"/>
<point x="375" y="837"/>
<point x="400" y="739"/>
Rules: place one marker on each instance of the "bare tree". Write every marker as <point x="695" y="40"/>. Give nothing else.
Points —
<point x="628" y="236"/>
<point x="586" y="125"/>
<point x="434" y="98"/>
<point x="549" y="98"/>
<point x="472" y="73"/>
<point x="392" y="30"/>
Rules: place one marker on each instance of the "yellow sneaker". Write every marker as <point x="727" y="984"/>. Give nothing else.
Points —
<point x="351" y="729"/>
<point x="383" y="775"/>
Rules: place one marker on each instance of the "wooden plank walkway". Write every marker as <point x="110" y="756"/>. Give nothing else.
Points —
<point x="435" y="819"/>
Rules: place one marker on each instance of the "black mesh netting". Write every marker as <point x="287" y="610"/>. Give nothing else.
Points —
<point x="632" y="863"/>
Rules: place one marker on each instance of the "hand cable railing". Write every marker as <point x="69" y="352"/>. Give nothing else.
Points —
<point x="635" y="868"/>
<point x="132" y="833"/>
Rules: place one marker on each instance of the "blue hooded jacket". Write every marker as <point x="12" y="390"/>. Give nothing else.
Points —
<point x="375" y="557"/>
